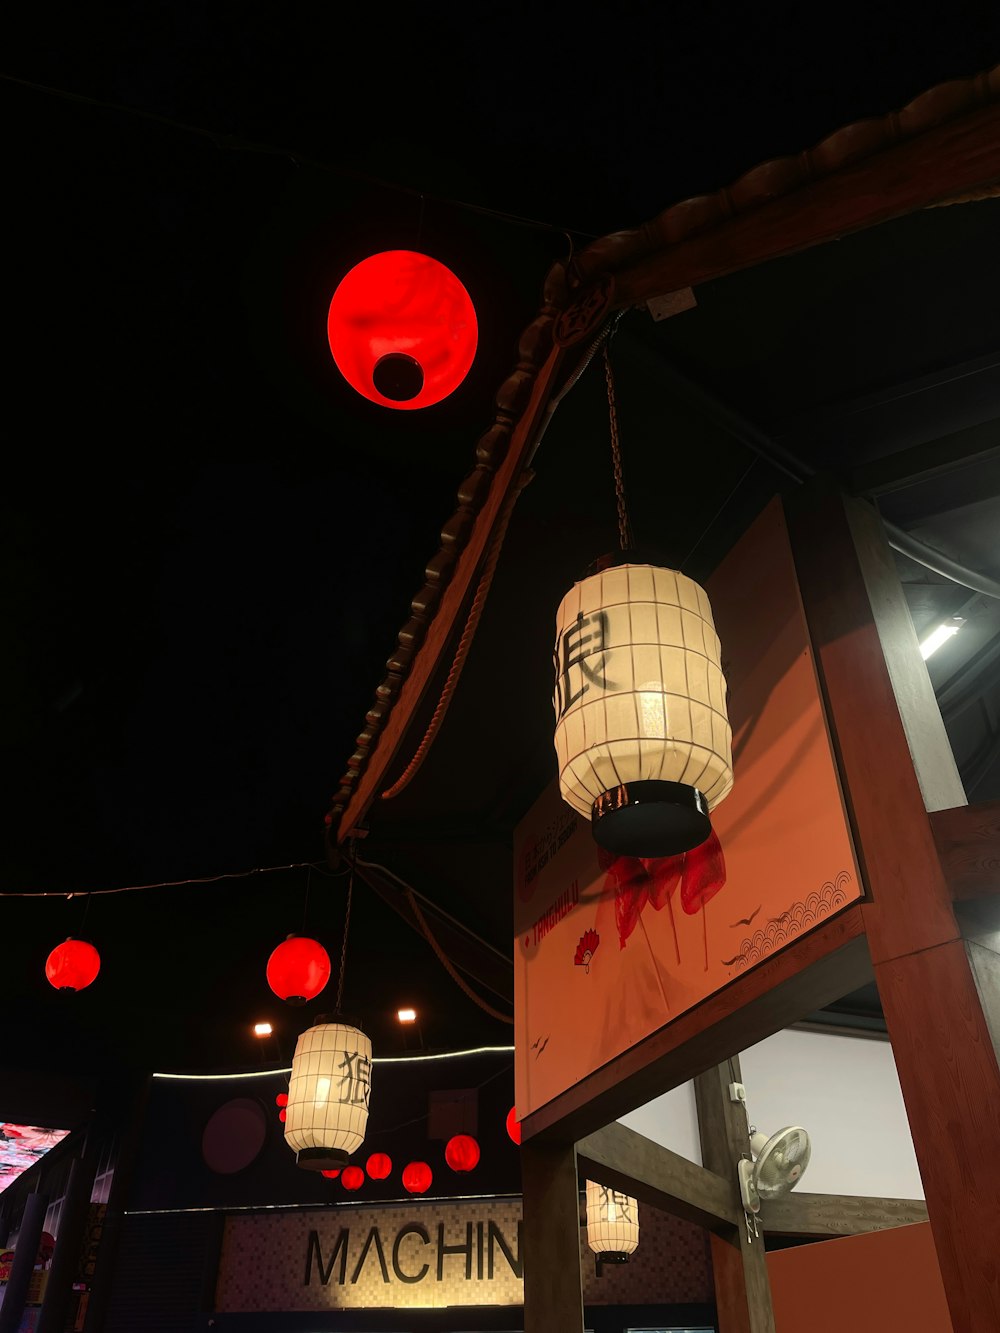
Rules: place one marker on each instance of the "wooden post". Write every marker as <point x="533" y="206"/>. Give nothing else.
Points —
<point x="553" y="1279"/>
<point x="739" y="1265"/>
<point x="934" y="1010"/>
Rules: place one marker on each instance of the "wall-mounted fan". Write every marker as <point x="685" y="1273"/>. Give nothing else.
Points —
<point x="775" y="1165"/>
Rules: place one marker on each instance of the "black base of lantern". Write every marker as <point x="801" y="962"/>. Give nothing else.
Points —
<point x="398" y="376"/>
<point x="612" y="1257"/>
<point x="650" y="819"/>
<point x="321" y="1159"/>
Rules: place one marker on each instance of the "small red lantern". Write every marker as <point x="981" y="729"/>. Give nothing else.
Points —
<point x="513" y="1125"/>
<point x="281" y="1099"/>
<point x="402" y="329"/>
<point x="298" y="969"/>
<point x="72" y="965"/>
<point x="417" y="1177"/>
<point x="332" y="1175"/>
<point x="379" y="1165"/>
<point x="352" y="1178"/>
<point x="462" y="1153"/>
<point x="282" y="1115"/>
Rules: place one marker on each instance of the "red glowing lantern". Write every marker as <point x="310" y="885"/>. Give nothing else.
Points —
<point x="298" y="969"/>
<point x="513" y="1125"/>
<point x="417" y="1178"/>
<point x="332" y="1175"/>
<point x="462" y="1153"/>
<point x="281" y="1099"/>
<point x="352" y="1178"/>
<point x="402" y="329"/>
<point x="72" y="965"/>
<point x="379" y="1165"/>
<point x="282" y="1115"/>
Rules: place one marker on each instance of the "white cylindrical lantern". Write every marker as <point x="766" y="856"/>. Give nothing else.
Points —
<point x="642" y="734"/>
<point x="612" y="1223"/>
<point x="327" y="1112"/>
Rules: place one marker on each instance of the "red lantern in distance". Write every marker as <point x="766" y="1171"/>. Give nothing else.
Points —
<point x="72" y="965"/>
<point x="402" y="329"/>
<point x="379" y="1165"/>
<point x="462" y="1153"/>
<point x="298" y="969"/>
<point x="281" y="1099"/>
<point x="331" y="1175"/>
<point x="352" y="1178"/>
<point x="513" y="1125"/>
<point x="417" y="1178"/>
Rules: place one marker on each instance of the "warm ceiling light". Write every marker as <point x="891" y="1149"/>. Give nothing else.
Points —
<point x="262" y="1029"/>
<point x="406" y="1015"/>
<point x="939" y="636"/>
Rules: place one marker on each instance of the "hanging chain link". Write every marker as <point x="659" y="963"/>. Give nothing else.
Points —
<point x="347" y="926"/>
<point x="625" y="538"/>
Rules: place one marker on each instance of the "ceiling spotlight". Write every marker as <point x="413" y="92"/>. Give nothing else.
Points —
<point x="406" y="1015"/>
<point x="941" y="635"/>
<point x="262" y="1029"/>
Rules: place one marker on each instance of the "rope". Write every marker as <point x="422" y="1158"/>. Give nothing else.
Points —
<point x="625" y="538"/>
<point x="447" y="964"/>
<point x="343" y="946"/>
<point x="464" y="644"/>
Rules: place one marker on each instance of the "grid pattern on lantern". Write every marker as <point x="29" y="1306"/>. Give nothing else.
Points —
<point x="329" y="1088"/>
<point x="639" y="686"/>
<point x="612" y="1220"/>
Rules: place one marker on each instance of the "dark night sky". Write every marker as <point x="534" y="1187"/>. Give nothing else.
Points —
<point x="209" y="541"/>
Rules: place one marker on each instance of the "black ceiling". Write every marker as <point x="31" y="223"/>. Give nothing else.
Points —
<point x="210" y="541"/>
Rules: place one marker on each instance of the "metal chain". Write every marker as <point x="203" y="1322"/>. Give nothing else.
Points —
<point x="343" y="946"/>
<point x="625" y="538"/>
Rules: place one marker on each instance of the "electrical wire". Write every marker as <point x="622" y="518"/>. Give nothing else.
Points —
<point x="172" y="883"/>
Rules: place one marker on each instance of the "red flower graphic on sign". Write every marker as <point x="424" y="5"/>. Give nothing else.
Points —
<point x="586" y="949"/>
<point x="635" y="881"/>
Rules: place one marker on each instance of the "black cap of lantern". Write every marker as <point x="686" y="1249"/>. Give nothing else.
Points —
<point x="398" y="376"/>
<point x="652" y="818"/>
<point x="636" y="555"/>
<point x="321" y="1159"/>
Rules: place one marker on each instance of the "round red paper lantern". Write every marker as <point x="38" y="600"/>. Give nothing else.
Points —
<point x="513" y="1125"/>
<point x="298" y="969"/>
<point x="331" y="1175"/>
<point x="379" y="1165"/>
<point x="352" y="1178"/>
<point x="402" y="329"/>
<point x="462" y="1153"/>
<point x="282" y="1115"/>
<point x="417" y="1177"/>
<point x="281" y="1099"/>
<point x="72" y="965"/>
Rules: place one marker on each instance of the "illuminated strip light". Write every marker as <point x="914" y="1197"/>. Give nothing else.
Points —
<point x="376" y="1060"/>
<point x="342" y="1204"/>
<point x="939" y="636"/>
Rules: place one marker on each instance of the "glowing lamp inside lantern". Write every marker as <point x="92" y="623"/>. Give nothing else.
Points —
<point x="402" y="329"/>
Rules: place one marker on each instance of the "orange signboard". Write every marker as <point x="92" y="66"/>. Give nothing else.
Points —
<point x="608" y="951"/>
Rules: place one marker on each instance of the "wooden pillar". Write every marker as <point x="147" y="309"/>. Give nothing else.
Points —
<point x="934" y="1010"/>
<point x="553" y="1280"/>
<point x="739" y="1265"/>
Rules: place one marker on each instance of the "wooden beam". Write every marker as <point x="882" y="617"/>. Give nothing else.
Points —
<point x="553" y="1276"/>
<point x="942" y="1037"/>
<point x="739" y="1264"/>
<point x="923" y="462"/>
<point x="651" y="1173"/>
<point x="822" y="966"/>
<point x="440" y="630"/>
<point x="799" y="1214"/>
<point x="968" y="843"/>
<point x="930" y="167"/>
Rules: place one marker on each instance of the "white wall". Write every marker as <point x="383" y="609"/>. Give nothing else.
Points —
<point x="843" y="1090"/>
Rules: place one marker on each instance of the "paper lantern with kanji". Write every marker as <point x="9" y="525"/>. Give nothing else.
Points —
<point x="402" y="329"/>
<point x="328" y="1092"/>
<point x="379" y="1166"/>
<point x="72" y="965"/>
<point x="612" y="1223"/>
<point x="462" y="1153"/>
<point x="298" y="969"/>
<point x="642" y="736"/>
<point x="417" y="1177"/>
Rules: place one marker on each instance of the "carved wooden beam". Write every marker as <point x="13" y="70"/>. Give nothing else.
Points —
<point x="968" y="843"/>
<point x="801" y="1214"/>
<point x="651" y="1173"/>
